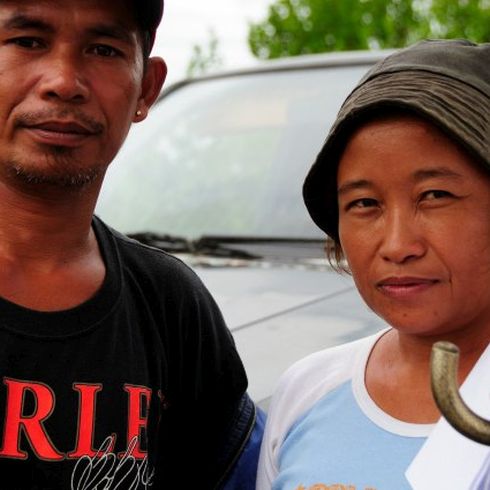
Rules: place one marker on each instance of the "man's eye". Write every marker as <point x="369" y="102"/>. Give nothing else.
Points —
<point x="27" y="42"/>
<point x="105" y="51"/>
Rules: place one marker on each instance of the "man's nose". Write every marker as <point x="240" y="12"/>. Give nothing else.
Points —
<point x="62" y="79"/>
<point x="402" y="238"/>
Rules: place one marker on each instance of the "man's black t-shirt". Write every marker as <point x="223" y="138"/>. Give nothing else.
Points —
<point x="125" y="389"/>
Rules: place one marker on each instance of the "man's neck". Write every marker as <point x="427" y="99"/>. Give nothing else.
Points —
<point x="49" y="255"/>
<point x="51" y="224"/>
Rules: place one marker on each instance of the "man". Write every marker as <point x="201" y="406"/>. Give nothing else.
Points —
<point x="116" y="367"/>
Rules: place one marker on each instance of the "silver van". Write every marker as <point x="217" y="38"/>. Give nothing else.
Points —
<point x="214" y="175"/>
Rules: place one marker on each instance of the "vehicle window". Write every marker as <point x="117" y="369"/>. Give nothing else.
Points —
<point x="226" y="156"/>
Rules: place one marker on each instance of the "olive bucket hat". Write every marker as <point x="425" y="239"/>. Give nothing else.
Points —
<point x="444" y="81"/>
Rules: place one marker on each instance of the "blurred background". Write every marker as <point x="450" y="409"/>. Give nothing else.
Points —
<point x="197" y="37"/>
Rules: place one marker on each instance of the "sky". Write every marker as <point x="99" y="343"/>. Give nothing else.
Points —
<point x="188" y="22"/>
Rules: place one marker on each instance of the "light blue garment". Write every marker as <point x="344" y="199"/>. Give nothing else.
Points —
<point x="336" y="443"/>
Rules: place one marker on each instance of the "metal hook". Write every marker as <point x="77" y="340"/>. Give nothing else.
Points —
<point x="444" y="380"/>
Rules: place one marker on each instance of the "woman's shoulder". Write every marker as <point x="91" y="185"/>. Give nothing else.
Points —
<point x="301" y="386"/>
<point x="311" y="378"/>
<point x="326" y="369"/>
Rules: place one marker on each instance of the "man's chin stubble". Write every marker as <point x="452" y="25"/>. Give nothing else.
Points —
<point x="58" y="170"/>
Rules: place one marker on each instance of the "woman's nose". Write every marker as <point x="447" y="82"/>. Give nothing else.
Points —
<point x="402" y="238"/>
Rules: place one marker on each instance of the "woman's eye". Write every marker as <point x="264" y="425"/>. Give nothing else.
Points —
<point x="435" y="194"/>
<point x="362" y="203"/>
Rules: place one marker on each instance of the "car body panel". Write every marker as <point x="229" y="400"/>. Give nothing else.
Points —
<point x="278" y="316"/>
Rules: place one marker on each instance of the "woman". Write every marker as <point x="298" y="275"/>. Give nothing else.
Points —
<point x="402" y="186"/>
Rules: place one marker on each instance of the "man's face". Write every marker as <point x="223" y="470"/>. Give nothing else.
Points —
<point x="71" y="81"/>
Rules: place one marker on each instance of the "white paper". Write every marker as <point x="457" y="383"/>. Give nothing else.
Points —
<point x="448" y="460"/>
<point x="482" y="481"/>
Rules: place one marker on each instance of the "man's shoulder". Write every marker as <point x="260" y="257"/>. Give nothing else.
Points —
<point x="152" y="263"/>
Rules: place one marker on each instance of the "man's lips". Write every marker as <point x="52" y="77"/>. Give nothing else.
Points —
<point x="60" y="133"/>
<point x="68" y="127"/>
<point x="405" y="286"/>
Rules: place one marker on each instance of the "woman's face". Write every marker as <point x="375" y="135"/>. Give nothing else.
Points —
<point x="414" y="224"/>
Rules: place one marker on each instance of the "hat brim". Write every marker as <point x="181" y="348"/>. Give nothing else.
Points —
<point x="458" y="109"/>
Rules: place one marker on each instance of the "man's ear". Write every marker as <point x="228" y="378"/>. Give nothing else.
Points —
<point x="151" y="85"/>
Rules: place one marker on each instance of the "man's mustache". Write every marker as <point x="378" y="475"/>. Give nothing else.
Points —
<point x="72" y="115"/>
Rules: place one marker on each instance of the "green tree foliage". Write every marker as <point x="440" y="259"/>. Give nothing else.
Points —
<point x="294" y="27"/>
<point x="464" y="18"/>
<point x="204" y="59"/>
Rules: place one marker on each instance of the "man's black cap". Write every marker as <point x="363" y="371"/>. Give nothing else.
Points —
<point x="150" y="12"/>
<point x="149" y="15"/>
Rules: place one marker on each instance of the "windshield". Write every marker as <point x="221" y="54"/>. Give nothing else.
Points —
<point x="226" y="156"/>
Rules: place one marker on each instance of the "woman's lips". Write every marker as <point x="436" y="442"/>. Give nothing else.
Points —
<point x="405" y="287"/>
